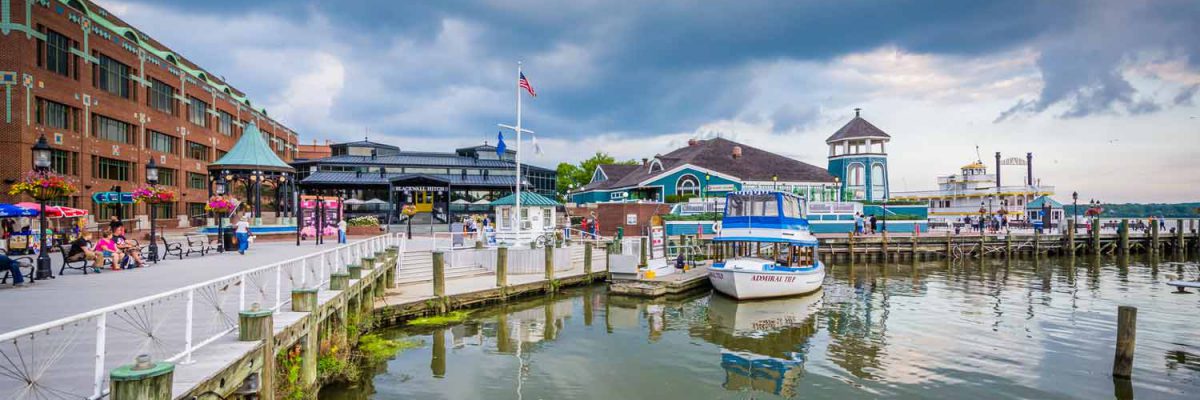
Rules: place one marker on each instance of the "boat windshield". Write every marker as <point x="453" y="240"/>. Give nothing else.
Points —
<point x="756" y="205"/>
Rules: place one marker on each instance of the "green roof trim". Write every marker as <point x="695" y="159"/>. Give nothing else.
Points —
<point x="1038" y="203"/>
<point x="527" y="199"/>
<point x="251" y="152"/>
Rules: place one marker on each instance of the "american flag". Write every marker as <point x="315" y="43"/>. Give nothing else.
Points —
<point x="524" y="83"/>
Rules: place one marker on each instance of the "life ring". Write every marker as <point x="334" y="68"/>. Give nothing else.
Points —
<point x="716" y="227"/>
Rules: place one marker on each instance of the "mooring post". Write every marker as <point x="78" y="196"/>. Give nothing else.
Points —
<point x="1126" y="340"/>
<point x="1071" y="235"/>
<point x="339" y="280"/>
<point x="257" y="325"/>
<point x="645" y="243"/>
<point x="1008" y="245"/>
<point x="587" y="259"/>
<point x="851" y="247"/>
<point x="549" y="263"/>
<point x="1037" y="243"/>
<point x="304" y="299"/>
<point x="368" y="263"/>
<point x="1154" y="237"/>
<point x="982" y="243"/>
<point x="478" y="245"/>
<point x="501" y="267"/>
<point x="439" y="274"/>
<point x="949" y="244"/>
<point x="1096" y="236"/>
<point x="1123" y="237"/>
<point x="1179" y="244"/>
<point x="142" y="380"/>
<point x="912" y="245"/>
<point x="884" y="246"/>
<point x="354" y="270"/>
<point x="310" y="351"/>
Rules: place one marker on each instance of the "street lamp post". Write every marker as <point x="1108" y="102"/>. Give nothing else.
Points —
<point x="152" y="180"/>
<point x="1074" y="210"/>
<point x="837" y="187"/>
<point x="41" y="164"/>
<point x="774" y="182"/>
<point x="220" y="189"/>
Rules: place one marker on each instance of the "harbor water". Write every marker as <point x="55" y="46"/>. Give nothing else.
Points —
<point x="1030" y="329"/>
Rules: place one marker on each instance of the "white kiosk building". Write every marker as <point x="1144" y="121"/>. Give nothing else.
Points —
<point x="538" y="214"/>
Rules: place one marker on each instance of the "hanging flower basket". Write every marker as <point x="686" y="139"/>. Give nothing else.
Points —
<point x="219" y="205"/>
<point x="1094" y="211"/>
<point x="409" y="210"/>
<point x="154" y="195"/>
<point x="43" y="186"/>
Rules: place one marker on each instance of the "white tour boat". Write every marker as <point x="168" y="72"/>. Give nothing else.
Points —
<point x="765" y="248"/>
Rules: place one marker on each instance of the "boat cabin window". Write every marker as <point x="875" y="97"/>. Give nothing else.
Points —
<point x="759" y="205"/>
<point x="791" y="207"/>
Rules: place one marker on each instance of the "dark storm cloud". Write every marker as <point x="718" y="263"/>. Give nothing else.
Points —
<point x="668" y="66"/>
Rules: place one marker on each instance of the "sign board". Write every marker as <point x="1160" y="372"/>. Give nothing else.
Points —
<point x="630" y="219"/>
<point x="420" y="188"/>
<point x="656" y="236"/>
<point x="112" y="198"/>
<point x="727" y="187"/>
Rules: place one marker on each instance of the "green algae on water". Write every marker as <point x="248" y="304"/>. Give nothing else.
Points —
<point x="438" y="320"/>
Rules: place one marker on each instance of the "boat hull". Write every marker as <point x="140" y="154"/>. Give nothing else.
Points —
<point x="756" y="283"/>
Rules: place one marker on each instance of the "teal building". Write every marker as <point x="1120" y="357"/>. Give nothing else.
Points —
<point x="705" y="168"/>
<point x="858" y="158"/>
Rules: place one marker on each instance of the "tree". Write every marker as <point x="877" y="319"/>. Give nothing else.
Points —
<point x="581" y="174"/>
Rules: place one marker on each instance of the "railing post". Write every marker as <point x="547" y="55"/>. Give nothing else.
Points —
<point x="242" y="292"/>
<point x="187" y="328"/>
<point x="101" y="327"/>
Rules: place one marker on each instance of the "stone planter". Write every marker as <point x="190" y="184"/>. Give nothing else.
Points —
<point x="362" y="230"/>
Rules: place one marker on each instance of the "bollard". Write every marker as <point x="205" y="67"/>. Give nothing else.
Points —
<point x="1071" y="235"/>
<point x="478" y="245"/>
<point x="304" y="299"/>
<point x="1008" y="245"/>
<point x="339" y="281"/>
<point x="587" y="259"/>
<point x="851" y="247"/>
<point x="368" y="263"/>
<point x="1154" y="249"/>
<point x="256" y="325"/>
<point x="884" y="246"/>
<point x="354" y="270"/>
<point x="501" y="267"/>
<point x="1123" y="237"/>
<point x="1037" y="244"/>
<point x="949" y="244"/>
<point x="1096" y="236"/>
<point x="549" y="263"/>
<point x="142" y="380"/>
<point x="982" y="242"/>
<point x="1126" y="341"/>
<point x="1179" y="244"/>
<point x="439" y="274"/>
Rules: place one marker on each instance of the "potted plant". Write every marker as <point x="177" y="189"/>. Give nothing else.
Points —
<point x="366" y="225"/>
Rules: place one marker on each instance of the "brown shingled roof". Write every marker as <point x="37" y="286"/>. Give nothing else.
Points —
<point x="717" y="155"/>
<point x="857" y="128"/>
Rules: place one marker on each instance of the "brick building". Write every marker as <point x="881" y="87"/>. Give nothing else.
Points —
<point x="108" y="98"/>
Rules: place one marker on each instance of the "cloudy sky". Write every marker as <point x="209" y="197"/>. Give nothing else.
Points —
<point x="1104" y="93"/>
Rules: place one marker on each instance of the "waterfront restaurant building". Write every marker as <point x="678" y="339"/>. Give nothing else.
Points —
<point x="705" y="168"/>
<point x="108" y="98"/>
<point x="463" y="181"/>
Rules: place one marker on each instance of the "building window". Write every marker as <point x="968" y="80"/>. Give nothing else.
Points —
<point x="197" y="151"/>
<point x="58" y="53"/>
<point x="195" y="209"/>
<point x="111" y="129"/>
<point x="162" y="96"/>
<point x="162" y="142"/>
<point x="687" y="185"/>
<point x="856" y="175"/>
<point x="107" y="168"/>
<point x="877" y="175"/>
<point x="54" y="115"/>
<point x="198" y="112"/>
<point x="197" y="181"/>
<point x="226" y="123"/>
<point x="164" y="210"/>
<point x="64" y="162"/>
<point x="166" y="176"/>
<point x="221" y="154"/>
<point x="112" y="76"/>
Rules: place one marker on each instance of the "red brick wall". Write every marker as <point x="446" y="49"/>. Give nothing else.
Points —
<point x="613" y="215"/>
<point x="17" y="136"/>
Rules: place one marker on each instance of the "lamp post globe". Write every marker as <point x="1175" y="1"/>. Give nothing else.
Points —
<point x="41" y="164"/>
<point x="152" y="179"/>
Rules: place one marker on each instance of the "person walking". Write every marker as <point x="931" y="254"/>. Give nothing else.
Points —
<point x="341" y="231"/>
<point x="874" y="224"/>
<point x="243" y="234"/>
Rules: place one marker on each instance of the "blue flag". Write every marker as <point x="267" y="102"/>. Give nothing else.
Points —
<point x="500" y="147"/>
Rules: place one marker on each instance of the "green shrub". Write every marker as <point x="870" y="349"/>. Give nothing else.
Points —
<point x="369" y="220"/>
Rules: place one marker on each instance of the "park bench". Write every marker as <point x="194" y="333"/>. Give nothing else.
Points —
<point x="173" y="246"/>
<point x="81" y="265"/>
<point x="25" y="262"/>
<point x="197" y="244"/>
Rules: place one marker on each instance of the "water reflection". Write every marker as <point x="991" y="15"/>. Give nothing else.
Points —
<point x="1031" y="328"/>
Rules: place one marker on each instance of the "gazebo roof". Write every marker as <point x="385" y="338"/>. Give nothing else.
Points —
<point x="1040" y="201"/>
<point x="251" y="152"/>
<point x="527" y="199"/>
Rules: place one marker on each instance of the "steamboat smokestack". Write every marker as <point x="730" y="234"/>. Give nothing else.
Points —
<point x="1029" y="167"/>
<point x="997" y="172"/>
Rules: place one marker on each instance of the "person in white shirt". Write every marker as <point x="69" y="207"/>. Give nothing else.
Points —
<point x="341" y="231"/>
<point x="243" y="234"/>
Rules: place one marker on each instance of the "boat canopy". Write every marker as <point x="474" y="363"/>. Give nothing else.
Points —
<point x="765" y="216"/>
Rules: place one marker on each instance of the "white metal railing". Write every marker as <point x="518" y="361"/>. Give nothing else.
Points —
<point x="69" y="357"/>
<point x="455" y="240"/>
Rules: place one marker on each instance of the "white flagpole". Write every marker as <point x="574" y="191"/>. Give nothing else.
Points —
<point x="518" y="192"/>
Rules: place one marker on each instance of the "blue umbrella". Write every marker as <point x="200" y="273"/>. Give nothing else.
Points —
<point x="9" y="211"/>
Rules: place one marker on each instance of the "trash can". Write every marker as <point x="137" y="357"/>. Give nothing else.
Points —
<point x="227" y="239"/>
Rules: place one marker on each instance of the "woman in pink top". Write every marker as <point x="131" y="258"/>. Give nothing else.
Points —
<point x="108" y="249"/>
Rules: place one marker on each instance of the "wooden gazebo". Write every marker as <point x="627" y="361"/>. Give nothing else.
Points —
<point x="252" y="163"/>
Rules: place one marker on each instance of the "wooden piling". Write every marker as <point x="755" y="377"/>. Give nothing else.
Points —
<point x="851" y="254"/>
<point x="949" y="245"/>
<point x="1008" y="245"/>
<point x="1071" y="235"/>
<point x="645" y="243"/>
<point x="143" y="380"/>
<point x="355" y="271"/>
<point x="304" y="299"/>
<point x="501" y="267"/>
<point x="1126" y="341"/>
<point x="1123" y="237"/>
<point x="1037" y="244"/>
<point x="439" y="274"/>
<point x="549" y="263"/>
<point x="1096" y="236"/>
<point x="1154" y="249"/>
<point x="1179" y="243"/>
<point x="339" y="281"/>
<point x="884" y="246"/>
<point x="257" y="325"/>
<point x="587" y="259"/>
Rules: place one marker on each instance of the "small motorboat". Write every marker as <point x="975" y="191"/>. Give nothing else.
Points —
<point x="765" y="248"/>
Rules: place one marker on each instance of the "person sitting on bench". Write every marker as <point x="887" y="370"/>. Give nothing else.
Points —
<point x="14" y="269"/>
<point x="81" y="250"/>
<point x="108" y="249"/>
